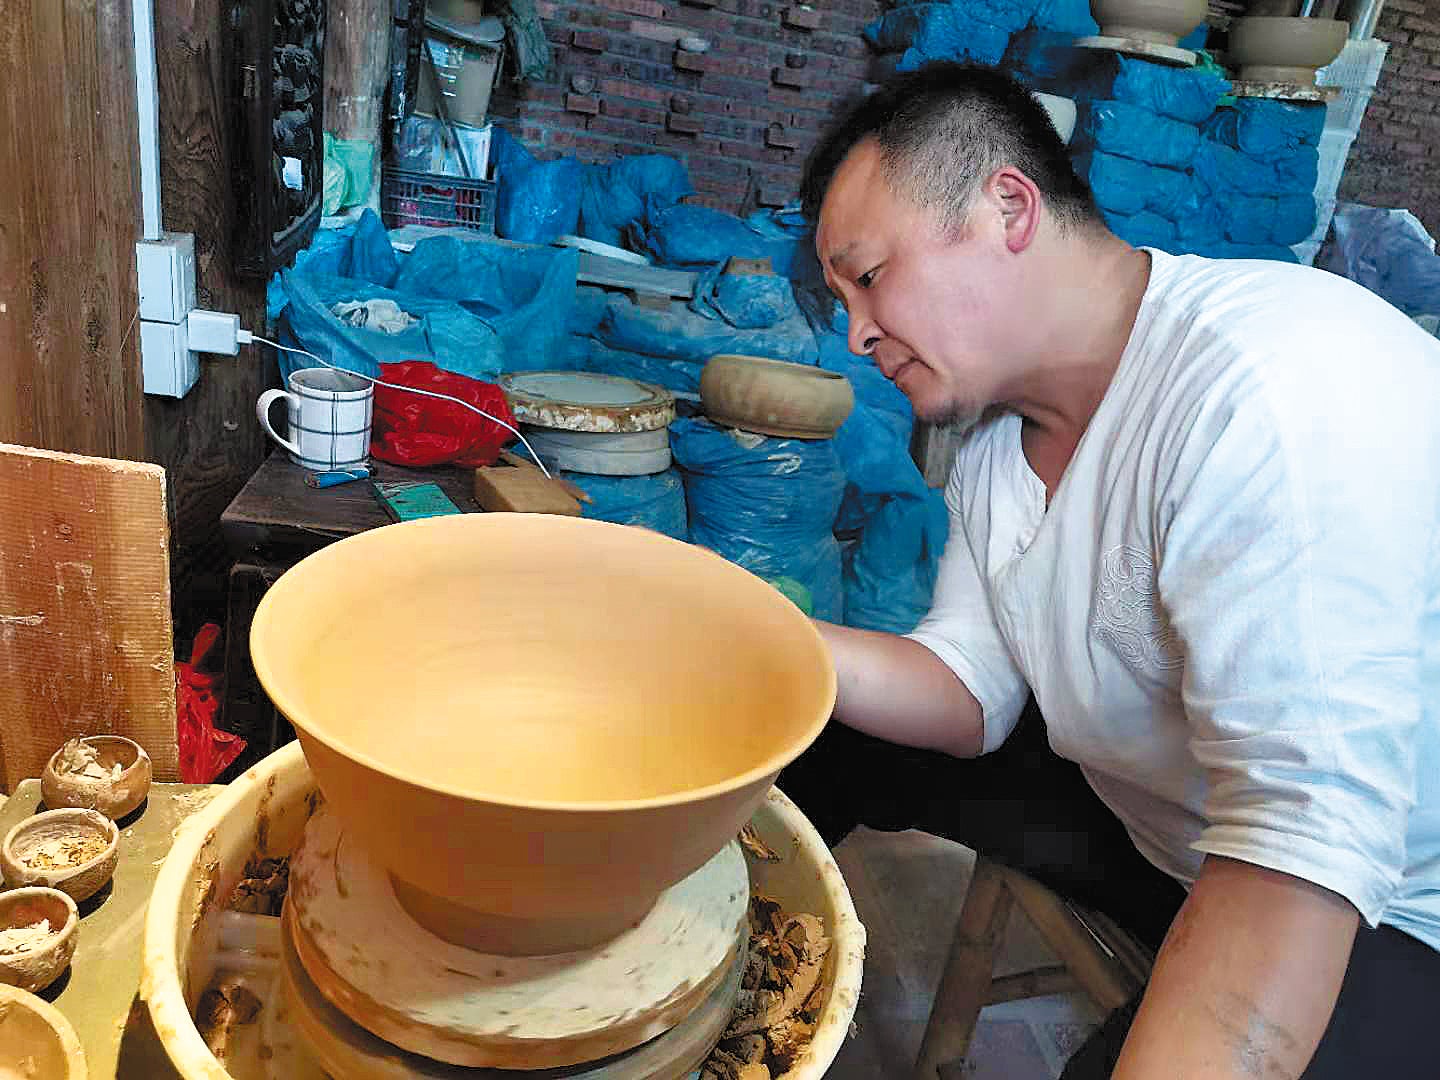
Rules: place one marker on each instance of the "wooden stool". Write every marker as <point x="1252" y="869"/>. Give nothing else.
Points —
<point x="1095" y="955"/>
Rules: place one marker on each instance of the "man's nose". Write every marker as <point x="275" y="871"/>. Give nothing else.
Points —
<point x="864" y="335"/>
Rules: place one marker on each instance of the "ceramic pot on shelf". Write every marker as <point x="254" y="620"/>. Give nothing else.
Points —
<point x="1280" y="49"/>
<point x="1160" y="22"/>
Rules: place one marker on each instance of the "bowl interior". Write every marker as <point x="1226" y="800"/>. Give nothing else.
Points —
<point x="61" y="840"/>
<point x="27" y="907"/>
<point x="35" y="1041"/>
<point x="541" y="660"/>
<point x="102" y="752"/>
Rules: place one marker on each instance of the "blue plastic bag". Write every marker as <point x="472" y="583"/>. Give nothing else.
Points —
<point x="1261" y="128"/>
<point x="1143" y="229"/>
<point x="525" y="294"/>
<point x="1126" y="186"/>
<point x="616" y="196"/>
<point x="682" y="334"/>
<point x="655" y="502"/>
<point x="1387" y="251"/>
<point x="745" y="301"/>
<point x="890" y="572"/>
<point x="768" y="505"/>
<point x="1135" y="132"/>
<point x="693" y="237"/>
<point x="536" y="201"/>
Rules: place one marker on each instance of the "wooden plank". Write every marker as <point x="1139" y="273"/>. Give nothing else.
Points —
<point x="619" y="274"/>
<point x="70" y="204"/>
<point x="85" y="633"/>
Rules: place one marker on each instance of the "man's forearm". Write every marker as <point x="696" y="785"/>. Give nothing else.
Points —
<point x="1246" y="980"/>
<point x="896" y="689"/>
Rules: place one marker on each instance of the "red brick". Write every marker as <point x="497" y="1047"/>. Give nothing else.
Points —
<point x="588" y="104"/>
<point x="620" y="109"/>
<point x="647" y="9"/>
<point x="802" y="18"/>
<point x="589" y="40"/>
<point x="1407" y="7"/>
<point x="639" y="91"/>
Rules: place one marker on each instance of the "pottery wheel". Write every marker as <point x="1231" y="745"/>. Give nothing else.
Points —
<point x="585" y="401"/>
<point x="344" y="1049"/>
<point x="374" y="963"/>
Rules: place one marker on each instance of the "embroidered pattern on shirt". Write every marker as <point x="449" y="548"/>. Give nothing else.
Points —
<point x="1126" y="617"/>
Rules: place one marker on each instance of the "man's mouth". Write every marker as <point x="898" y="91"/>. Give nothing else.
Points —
<point x="894" y="375"/>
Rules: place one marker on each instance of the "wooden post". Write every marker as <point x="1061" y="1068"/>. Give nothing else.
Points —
<point x="357" y="60"/>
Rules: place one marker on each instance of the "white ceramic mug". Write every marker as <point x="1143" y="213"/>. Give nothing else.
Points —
<point x="329" y="413"/>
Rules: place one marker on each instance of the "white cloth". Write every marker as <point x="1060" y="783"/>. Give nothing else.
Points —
<point x="1230" y="612"/>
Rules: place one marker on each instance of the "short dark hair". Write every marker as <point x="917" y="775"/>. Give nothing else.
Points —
<point x="942" y="130"/>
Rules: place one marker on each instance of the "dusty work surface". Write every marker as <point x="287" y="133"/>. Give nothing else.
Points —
<point x="97" y="993"/>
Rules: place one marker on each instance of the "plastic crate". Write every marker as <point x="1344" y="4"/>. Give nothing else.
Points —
<point x="413" y="198"/>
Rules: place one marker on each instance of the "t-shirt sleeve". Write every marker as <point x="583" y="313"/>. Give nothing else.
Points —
<point x="960" y="628"/>
<point x="1293" y="560"/>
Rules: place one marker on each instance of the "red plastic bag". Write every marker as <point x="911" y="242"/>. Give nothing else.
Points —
<point x="205" y="750"/>
<point x="413" y="429"/>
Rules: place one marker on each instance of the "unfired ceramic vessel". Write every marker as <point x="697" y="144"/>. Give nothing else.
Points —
<point x="35" y="969"/>
<point x="52" y="832"/>
<point x="1161" y="22"/>
<point x="36" y="1041"/>
<point x="1280" y="49"/>
<point x="112" y="796"/>
<point x="774" y="397"/>
<point x="262" y="815"/>
<point x="538" y="723"/>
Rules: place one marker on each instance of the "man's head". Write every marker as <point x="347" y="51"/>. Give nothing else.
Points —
<point x="929" y="197"/>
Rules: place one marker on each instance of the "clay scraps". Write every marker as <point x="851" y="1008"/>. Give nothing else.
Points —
<point x="779" y="1000"/>
<point x="65" y="852"/>
<point x="222" y="1008"/>
<point x="262" y="887"/>
<point x="79" y="758"/>
<point x="21" y="939"/>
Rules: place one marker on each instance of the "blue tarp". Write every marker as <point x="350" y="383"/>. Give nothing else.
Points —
<point x="654" y="502"/>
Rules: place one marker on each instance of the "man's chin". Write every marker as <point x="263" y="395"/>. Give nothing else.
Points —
<point x="946" y="414"/>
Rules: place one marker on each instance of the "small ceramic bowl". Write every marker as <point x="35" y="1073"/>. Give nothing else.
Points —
<point x="32" y="955"/>
<point x="36" y="1040"/>
<point x="72" y="850"/>
<point x="84" y="773"/>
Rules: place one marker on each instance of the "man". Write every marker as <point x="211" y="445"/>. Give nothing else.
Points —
<point x="1198" y="517"/>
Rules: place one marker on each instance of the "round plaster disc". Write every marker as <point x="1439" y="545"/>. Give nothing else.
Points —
<point x="586" y="401"/>
<point x="374" y="963"/>
<point x="1148" y="50"/>
<point x="627" y="453"/>
<point x="346" y="1049"/>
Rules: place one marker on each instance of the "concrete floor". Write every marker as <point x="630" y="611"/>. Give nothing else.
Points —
<point x="908" y="888"/>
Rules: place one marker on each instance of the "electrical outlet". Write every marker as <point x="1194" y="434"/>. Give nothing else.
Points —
<point x="170" y="369"/>
<point x="165" y="271"/>
<point x="167" y="277"/>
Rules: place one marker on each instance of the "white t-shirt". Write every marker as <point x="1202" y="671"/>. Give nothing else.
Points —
<point x="1230" y="612"/>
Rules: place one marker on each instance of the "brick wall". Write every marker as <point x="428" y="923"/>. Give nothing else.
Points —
<point x="742" y="115"/>
<point x="1395" y="160"/>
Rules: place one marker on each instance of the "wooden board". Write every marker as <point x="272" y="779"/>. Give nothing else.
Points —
<point x="618" y="274"/>
<point x="517" y="489"/>
<point x="86" y="645"/>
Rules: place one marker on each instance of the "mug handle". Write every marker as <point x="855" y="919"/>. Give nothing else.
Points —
<point x="262" y="413"/>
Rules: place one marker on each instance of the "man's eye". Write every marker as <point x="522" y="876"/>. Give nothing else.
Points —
<point x="866" y="279"/>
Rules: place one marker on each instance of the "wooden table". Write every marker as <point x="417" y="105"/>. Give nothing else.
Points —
<point x="98" y="993"/>
<point x="274" y="522"/>
<point x="277" y="518"/>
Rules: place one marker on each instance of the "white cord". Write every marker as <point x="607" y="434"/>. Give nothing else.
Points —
<point x="245" y="336"/>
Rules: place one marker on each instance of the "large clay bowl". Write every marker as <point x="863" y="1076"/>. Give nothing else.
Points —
<point x="113" y="795"/>
<point x="72" y="850"/>
<point x="37" y="967"/>
<point x="1274" y="48"/>
<point x="774" y="397"/>
<point x="538" y="723"/>
<point x="36" y="1041"/>
<point x="1162" y="22"/>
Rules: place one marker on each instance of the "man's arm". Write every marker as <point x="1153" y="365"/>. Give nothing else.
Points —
<point x="897" y="689"/>
<point x="1246" y="980"/>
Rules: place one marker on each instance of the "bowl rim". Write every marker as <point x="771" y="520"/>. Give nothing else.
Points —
<point x="75" y="1064"/>
<point x="63" y="873"/>
<point x="813" y="371"/>
<point x="141" y="756"/>
<point x="771" y="766"/>
<point x="72" y="915"/>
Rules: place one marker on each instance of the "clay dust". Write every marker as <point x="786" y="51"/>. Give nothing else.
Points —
<point x="15" y="940"/>
<point x="64" y="852"/>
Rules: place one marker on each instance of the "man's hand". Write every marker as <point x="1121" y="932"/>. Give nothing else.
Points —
<point x="1246" y="980"/>
<point x="896" y="689"/>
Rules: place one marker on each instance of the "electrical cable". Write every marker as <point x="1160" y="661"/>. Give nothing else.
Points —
<point x="245" y="337"/>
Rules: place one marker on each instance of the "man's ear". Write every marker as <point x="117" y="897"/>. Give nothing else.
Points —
<point x="1020" y="206"/>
